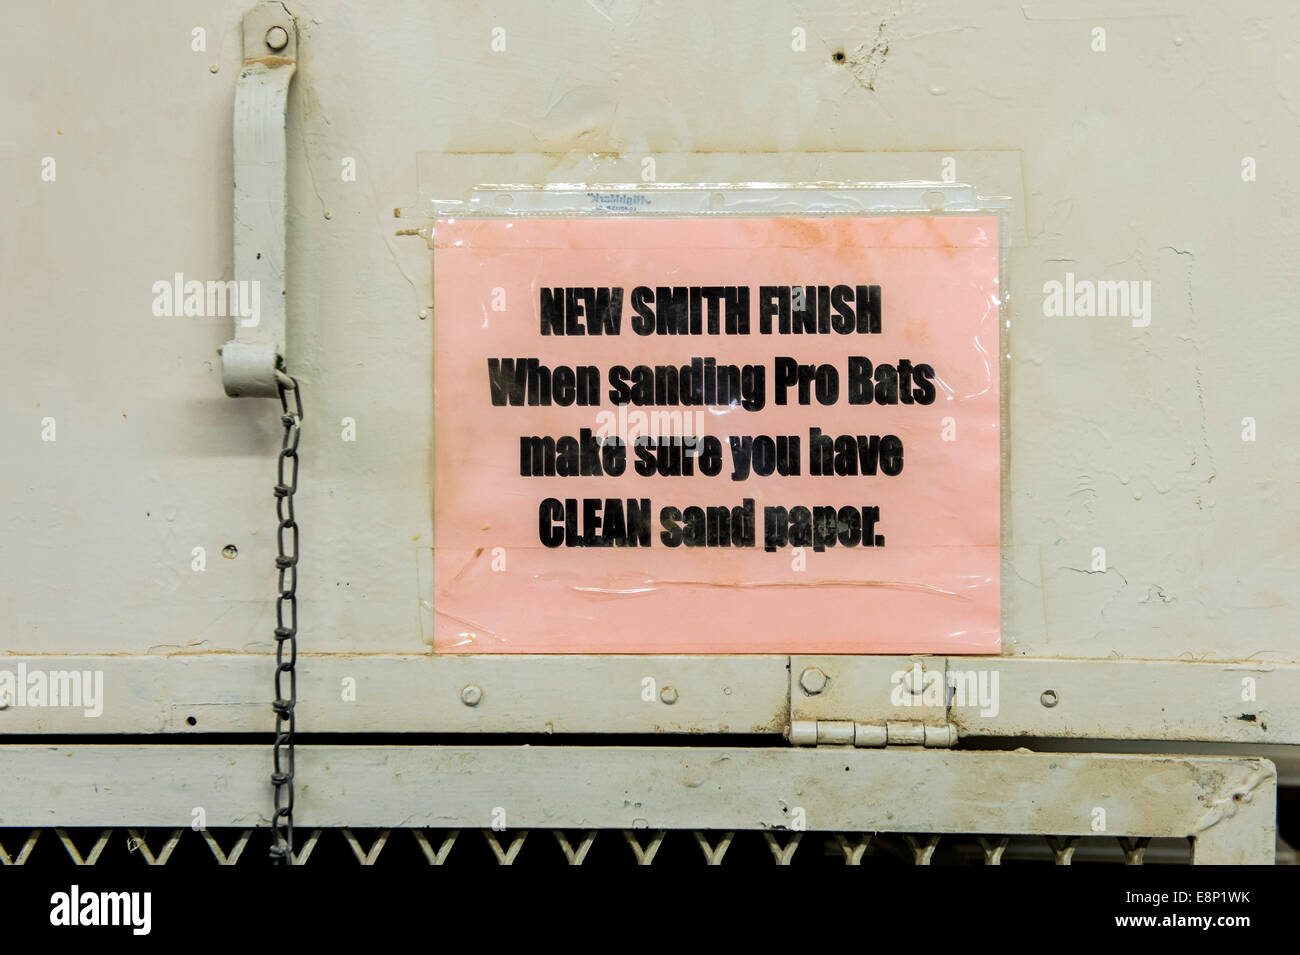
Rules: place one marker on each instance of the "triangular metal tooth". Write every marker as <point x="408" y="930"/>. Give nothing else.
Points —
<point x="235" y="853"/>
<point x="1063" y="848"/>
<point x="575" y="856"/>
<point x="136" y="841"/>
<point x="439" y="857"/>
<point x="363" y="856"/>
<point x="922" y="852"/>
<point x="645" y="855"/>
<point x="993" y="850"/>
<point x="853" y="850"/>
<point x="94" y="852"/>
<point x="23" y="853"/>
<point x="506" y="856"/>
<point x="367" y="858"/>
<point x="302" y="855"/>
<point x="713" y="853"/>
<point x="1134" y="849"/>
<point x="783" y="854"/>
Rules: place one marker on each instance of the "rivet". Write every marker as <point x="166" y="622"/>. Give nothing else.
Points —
<point x="1049" y="698"/>
<point x="471" y="695"/>
<point x="668" y="694"/>
<point x="276" y="38"/>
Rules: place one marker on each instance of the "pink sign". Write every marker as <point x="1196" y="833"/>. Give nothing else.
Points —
<point x="717" y="435"/>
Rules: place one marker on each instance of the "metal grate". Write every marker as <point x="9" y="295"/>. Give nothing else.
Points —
<point x="58" y="848"/>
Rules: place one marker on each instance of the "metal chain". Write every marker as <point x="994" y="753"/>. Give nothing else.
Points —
<point x="286" y="631"/>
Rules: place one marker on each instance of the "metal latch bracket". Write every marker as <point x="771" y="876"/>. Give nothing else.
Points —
<point x="253" y="360"/>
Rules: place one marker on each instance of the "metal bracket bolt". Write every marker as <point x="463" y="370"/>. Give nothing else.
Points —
<point x="813" y="680"/>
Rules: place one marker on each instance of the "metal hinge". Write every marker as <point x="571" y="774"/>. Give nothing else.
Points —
<point x="891" y="733"/>
<point x="895" y="701"/>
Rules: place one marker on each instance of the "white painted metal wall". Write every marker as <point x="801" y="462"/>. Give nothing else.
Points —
<point x="1126" y="164"/>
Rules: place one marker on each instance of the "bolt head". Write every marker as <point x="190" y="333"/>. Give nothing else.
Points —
<point x="471" y="695"/>
<point x="668" y="694"/>
<point x="277" y="38"/>
<point x="813" y="680"/>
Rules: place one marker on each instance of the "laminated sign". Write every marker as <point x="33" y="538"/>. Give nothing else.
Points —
<point x="717" y="435"/>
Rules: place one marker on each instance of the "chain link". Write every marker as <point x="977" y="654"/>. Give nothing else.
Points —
<point x="286" y="624"/>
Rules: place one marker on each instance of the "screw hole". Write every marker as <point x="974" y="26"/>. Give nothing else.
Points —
<point x="838" y="56"/>
<point x="230" y="552"/>
<point x="192" y="721"/>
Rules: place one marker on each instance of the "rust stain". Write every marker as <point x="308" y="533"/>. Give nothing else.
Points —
<point x="271" y="62"/>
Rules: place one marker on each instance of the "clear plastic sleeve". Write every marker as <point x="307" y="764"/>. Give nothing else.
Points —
<point x="718" y="418"/>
